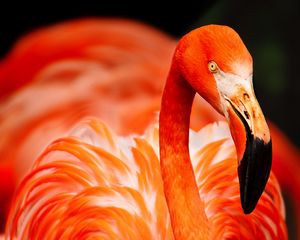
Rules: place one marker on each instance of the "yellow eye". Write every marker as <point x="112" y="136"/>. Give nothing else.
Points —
<point x="212" y="67"/>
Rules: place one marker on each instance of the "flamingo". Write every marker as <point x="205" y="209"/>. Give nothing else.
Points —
<point x="172" y="182"/>
<point x="104" y="56"/>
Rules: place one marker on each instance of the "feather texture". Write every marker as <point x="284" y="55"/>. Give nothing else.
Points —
<point x="93" y="183"/>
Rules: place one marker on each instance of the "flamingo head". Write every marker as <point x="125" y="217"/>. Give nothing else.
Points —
<point x="216" y="63"/>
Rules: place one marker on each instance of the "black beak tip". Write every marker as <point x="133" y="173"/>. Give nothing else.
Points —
<point x="248" y="209"/>
<point x="254" y="170"/>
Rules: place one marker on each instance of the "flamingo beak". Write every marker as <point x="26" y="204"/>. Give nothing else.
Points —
<point x="253" y="145"/>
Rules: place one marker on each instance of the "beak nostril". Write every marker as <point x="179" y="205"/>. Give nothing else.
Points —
<point x="246" y="96"/>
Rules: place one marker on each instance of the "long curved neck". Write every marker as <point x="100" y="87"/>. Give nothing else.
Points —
<point x="186" y="209"/>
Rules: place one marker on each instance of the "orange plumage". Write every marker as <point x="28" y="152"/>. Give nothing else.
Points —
<point x="120" y="120"/>
<point x="95" y="184"/>
<point x="76" y="80"/>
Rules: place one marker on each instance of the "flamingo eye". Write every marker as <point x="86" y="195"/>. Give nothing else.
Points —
<point x="212" y="67"/>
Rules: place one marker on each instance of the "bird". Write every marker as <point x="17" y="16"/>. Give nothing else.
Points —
<point x="105" y="55"/>
<point x="172" y="182"/>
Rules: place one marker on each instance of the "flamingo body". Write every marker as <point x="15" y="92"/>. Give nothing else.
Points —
<point x="93" y="183"/>
<point x="99" y="183"/>
<point x="73" y="81"/>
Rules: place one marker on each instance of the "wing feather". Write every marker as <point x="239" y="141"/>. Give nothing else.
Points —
<point x="94" y="183"/>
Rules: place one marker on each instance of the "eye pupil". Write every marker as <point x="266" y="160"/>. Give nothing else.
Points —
<point x="212" y="66"/>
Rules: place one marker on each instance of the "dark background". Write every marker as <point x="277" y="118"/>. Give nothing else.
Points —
<point x="269" y="29"/>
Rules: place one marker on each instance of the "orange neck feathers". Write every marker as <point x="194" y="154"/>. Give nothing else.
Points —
<point x="222" y="87"/>
<point x="187" y="214"/>
<point x="190" y="74"/>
